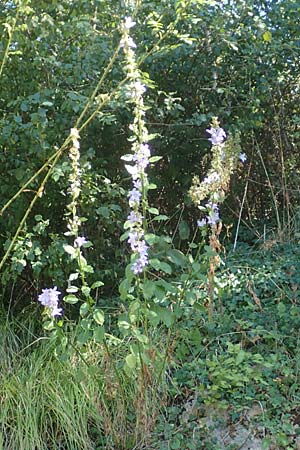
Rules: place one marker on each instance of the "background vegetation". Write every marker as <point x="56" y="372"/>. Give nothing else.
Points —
<point x="155" y="370"/>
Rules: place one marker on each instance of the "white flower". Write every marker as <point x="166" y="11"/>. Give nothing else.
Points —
<point x="129" y="41"/>
<point x="139" y="88"/>
<point x="133" y="171"/>
<point x="129" y="23"/>
<point x="74" y="133"/>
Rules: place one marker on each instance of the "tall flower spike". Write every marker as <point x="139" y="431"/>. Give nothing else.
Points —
<point x="75" y="182"/>
<point x="140" y="154"/>
<point x="225" y="156"/>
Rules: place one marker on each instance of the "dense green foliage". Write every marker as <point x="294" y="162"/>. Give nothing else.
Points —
<point x="237" y="61"/>
<point x="146" y="359"/>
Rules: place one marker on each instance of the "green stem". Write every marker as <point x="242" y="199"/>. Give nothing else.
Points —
<point x="31" y="205"/>
<point x="10" y="36"/>
<point x="22" y="189"/>
<point x="92" y="97"/>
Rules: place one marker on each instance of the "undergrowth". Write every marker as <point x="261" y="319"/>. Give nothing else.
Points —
<point x="241" y="368"/>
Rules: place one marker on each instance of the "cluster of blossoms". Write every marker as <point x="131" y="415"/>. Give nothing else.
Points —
<point x="213" y="215"/>
<point x="74" y="189"/>
<point x="226" y="155"/>
<point x="217" y="135"/>
<point x="75" y="182"/>
<point x="49" y="299"/>
<point x="139" y="158"/>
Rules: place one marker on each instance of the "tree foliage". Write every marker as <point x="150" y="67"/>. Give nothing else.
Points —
<point x="237" y="60"/>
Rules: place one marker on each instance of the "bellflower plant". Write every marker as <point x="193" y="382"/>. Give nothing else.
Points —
<point x="49" y="297"/>
<point x="225" y="157"/>
<point x="74" y="222"/>
<point x="139" y="158"/>
<point x="226" y="154"/>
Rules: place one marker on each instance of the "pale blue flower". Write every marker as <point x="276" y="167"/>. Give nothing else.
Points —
<point x="142" y="248"/>
<point x="212" y="178"/>
<point x="134" y="197"/>
<point x="49" y="299"/>
<point x="213" y="218"/>
<point x="135" y="218"/>
<point x="217" y="135"/>
<point x="213" y="213"/>
<point x="133" y="239"/>
<point x="201" y="223"/>
<point x="142" y="260"/>
<point x="141" y="161"/>
<point x="139" y="265"/>
<point x="79" y="241"/>
<point x="243" y="157"/>
<point x="137" y="184"/>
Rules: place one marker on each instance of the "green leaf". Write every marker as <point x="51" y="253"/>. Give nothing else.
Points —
<point x="99" y="316"/>
<point x="86" y="324"/>
<point x="103" y="211"/>
<point x="84" y="309"/>
<point x="47" y="103"/>
<point x="73" y="276"/>
<point x="177" y="257"/>
<point x="267" y="36"/>
<point x="209" y="251"/>
<point x="83" y="337"/>
<point x="69" y="249"/>
<point x="131" y="361"/>
<point x="154" y="159"/>
<point x="160" y="266"/>
<point x="98" y="334"/>
<point x="281" y="308"/>
<point x="49" y="325"/>
<point x="150" y="238"/>
<point x="240" y="357"/>
<point x="175" y="444"/>
<point x="124" y="288"/>
<point x="184" y="230"/>
<point x="166" y="316"/>
<point x="72" y="299"/>
<point x="266" y="443"/>
<point x="141" y="337"/>
<point x="24" y="106"/>
<point x="72" y="289"/>
<point x="161" y="217"/>
<point x="86" y="290"/>
<point x="148" y="289"/>
<point x="97" y="284"/>
<point x="153" y="211"/>
<point x="124" y="236"/>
